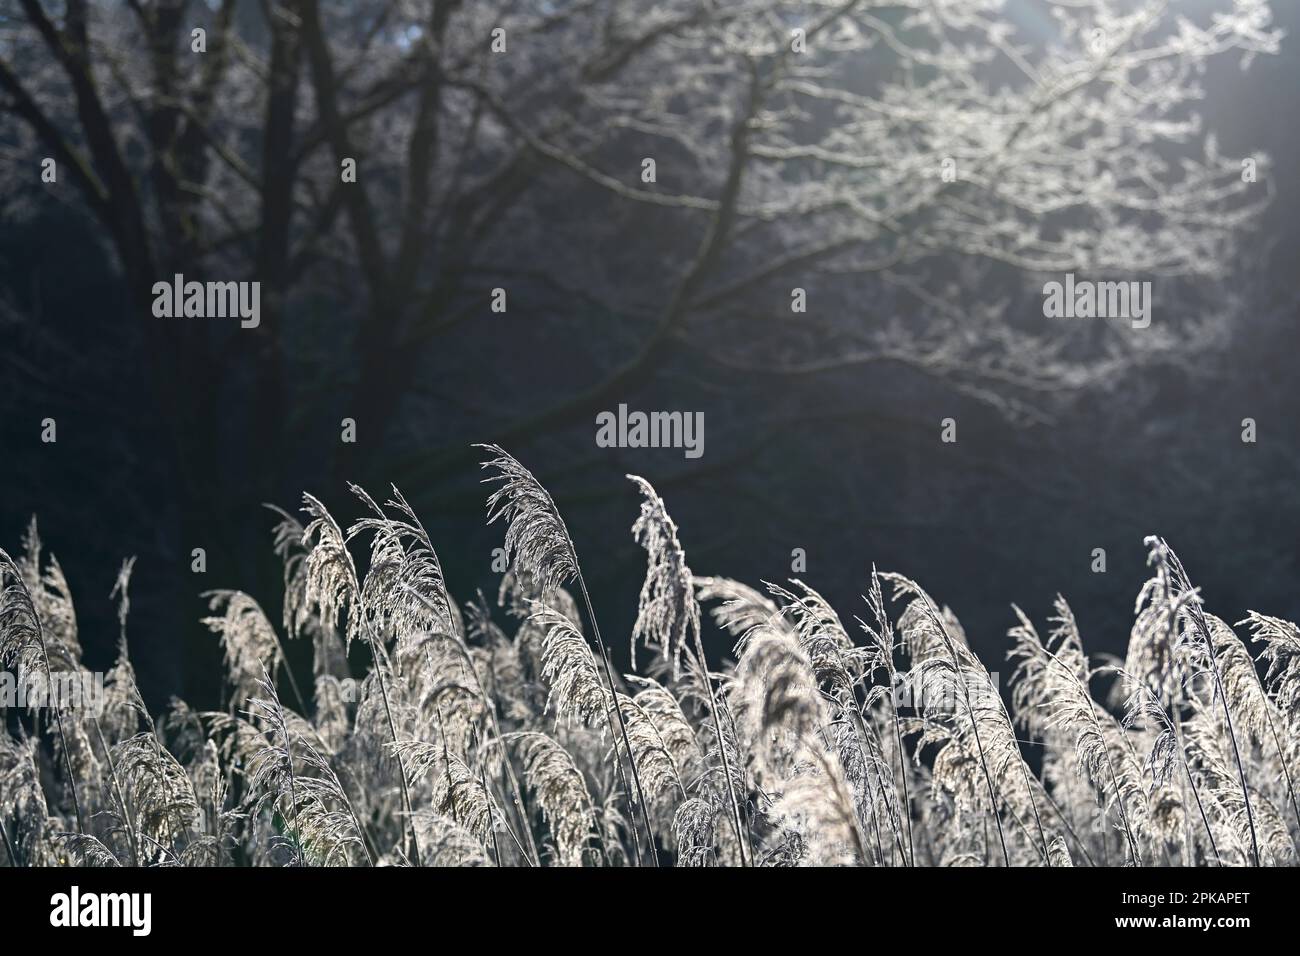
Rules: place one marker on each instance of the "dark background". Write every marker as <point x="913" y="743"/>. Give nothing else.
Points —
<point x="846" y="465"/>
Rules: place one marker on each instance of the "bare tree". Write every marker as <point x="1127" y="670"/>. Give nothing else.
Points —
<point x="929" y="148"/>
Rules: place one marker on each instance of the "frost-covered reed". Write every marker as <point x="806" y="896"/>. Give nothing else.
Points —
<point x="431" y="733"/>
